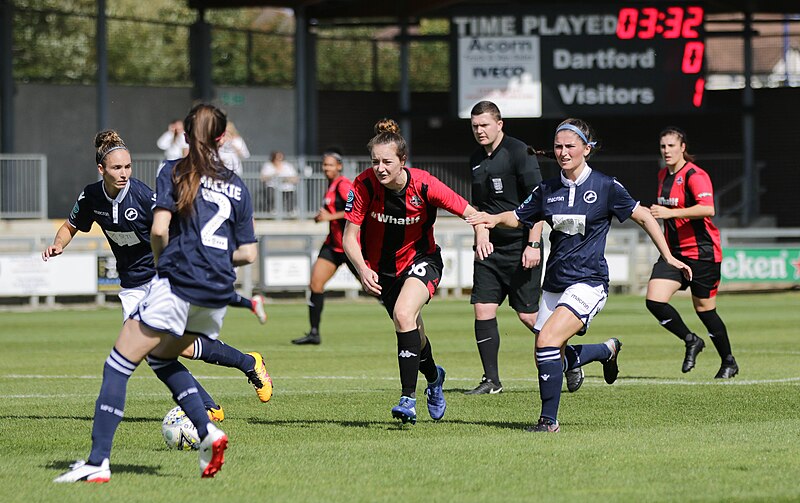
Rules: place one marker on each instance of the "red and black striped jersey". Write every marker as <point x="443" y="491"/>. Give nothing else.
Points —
<point x="397" y="227"/>
<point x="696" y="238"/>
<point x="335" y="199"/>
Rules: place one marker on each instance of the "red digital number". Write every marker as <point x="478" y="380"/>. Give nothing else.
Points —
<point x="673" y="22"/>
<point x="693" y="57"/>
<point x="648" y="22"/>
<point x="699" y="88"/>
<point x="694" y="18"/>
<point x="626" y="23"/>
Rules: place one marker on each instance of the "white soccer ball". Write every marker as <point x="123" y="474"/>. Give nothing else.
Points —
<point x="179" y="432"/>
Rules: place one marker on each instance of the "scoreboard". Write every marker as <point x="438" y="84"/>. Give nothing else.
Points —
<point x="624" y="59"/>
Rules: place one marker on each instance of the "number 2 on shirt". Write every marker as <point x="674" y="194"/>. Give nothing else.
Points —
<point x="207" y="233"/>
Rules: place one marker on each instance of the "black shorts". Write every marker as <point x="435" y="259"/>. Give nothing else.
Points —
<point x="501" y="275"/>
<point x="705" y="276"/>
<point x="338" y="258"/>
<point x="427" y="269"/>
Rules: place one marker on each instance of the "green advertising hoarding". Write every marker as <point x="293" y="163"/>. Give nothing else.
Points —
<point x="761" y="265"/>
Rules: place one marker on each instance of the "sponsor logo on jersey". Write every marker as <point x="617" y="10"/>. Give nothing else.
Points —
<point x="131" y="214"/>
<point x="704" y="194"/>
<point x="569" y="224"/>
<point x="497" y="183"/>
<point x="102" y="213"/>
<point x="668" y="201"/>
<point x="554" y="199"/>
<point x="416" y="201"/>
<point x="590" y="197"/>
<point x="389" y="219"/>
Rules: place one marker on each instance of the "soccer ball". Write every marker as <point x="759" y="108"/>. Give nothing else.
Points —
<point x="179" y="432"/>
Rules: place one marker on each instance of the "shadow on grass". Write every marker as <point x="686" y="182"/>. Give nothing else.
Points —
<point x="387" y="425"/>
<point x="78" y="418"/>
<point x="63" y="466"/>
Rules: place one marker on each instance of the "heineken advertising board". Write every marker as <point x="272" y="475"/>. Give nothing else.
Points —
<point x="761" y="265"/>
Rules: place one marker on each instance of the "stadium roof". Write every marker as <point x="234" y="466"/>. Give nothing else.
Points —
<point x="377" y="9"/>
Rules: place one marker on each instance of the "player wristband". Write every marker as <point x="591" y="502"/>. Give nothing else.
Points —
<point x="534" y="244"/>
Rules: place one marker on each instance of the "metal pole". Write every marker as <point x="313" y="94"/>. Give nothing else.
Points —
<point x="405" y="88"/>
<point x="301" y="80"/>
<point x="102" y="66"/>
<point x="6" y="77"/>
<point x="748" y="125"/>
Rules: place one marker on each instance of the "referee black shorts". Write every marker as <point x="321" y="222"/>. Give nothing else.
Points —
<point x="501" y="275"/>
<point x="705" y="276"/>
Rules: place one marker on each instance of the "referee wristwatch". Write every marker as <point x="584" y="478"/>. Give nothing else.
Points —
<point x="534" y="244"/>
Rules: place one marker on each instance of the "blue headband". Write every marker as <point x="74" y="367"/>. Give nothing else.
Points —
<point x="570" y="127"/>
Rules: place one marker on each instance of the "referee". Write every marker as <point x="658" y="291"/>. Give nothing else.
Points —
<point x="503" y="175"/>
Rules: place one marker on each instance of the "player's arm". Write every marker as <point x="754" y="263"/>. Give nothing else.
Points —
<point x="693" y="212"/>
<point x="647" y="222"/>
<point x="369" y="278"/>
<point x="532" y="257"/>
<point x="159" y="232"/>
<point x="245" y="254"/>
<point x="505" y="219"/>
<point x="63" y="237"/>
<point x="483" y="247"/>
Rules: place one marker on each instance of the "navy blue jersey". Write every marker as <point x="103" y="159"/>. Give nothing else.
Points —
<point x="579" y="214"/>
<point x="126" y="221"/>
<point x="198" y="259"/>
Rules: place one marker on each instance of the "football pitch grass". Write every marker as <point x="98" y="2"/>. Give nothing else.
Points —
<point x="327" y="434"/>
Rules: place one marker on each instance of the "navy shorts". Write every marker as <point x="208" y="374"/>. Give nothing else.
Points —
<point x="427" y="269"/>
<point x="501" y="275"/>
<point x="338" y="258"/>
<point x="705" y="276"/>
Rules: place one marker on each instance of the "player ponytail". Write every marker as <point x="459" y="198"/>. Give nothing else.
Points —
<point x="387" y="131"/>
<point x="105" y="142"/>
<point x="204" y="127"/>
<point x="681" y="134"/>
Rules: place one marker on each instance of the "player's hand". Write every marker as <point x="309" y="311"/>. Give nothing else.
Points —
<point x="659" y="211"/>
<point x="369" y="281"/>
<point x="531" y="257"/>
<point x="481" y="217"/>
<point x="685" y="269"/>
<point x="322" y="216"/>
<point x="52" y="251"/>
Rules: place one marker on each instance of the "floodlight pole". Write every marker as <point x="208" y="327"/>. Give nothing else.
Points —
<point x="750" y="189"/>
<point x="300" y="81"/>
<point x="405" y="86"/>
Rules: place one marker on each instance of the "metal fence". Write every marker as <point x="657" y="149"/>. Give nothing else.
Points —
<point x="23" y="186"/>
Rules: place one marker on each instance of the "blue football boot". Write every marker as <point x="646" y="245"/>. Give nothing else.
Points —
<point x="406" y="410"/>
<point x="435" y="395"/>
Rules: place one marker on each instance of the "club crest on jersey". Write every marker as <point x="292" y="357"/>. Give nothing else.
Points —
<point x="679" y="180"/>
<point x="416" y="201"/>
<point x="497" y="183"/>
<point x="131" y="214"/>
<point x="590" y="197"/>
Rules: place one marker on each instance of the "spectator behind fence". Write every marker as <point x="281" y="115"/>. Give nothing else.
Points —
<point x="281" y="177"/>
<point x="233" y="149"/>
<point x="173" y="141"/>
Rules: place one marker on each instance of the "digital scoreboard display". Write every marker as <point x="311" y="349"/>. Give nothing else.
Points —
<point x="581" y="60"/>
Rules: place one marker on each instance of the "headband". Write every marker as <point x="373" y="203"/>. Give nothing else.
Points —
<point x="102" y="156"/>
<point x="335" y="155"/>
<point x="570" y="127"/>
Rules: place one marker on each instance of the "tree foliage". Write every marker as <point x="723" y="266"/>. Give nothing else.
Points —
<point x="148" y="44"/>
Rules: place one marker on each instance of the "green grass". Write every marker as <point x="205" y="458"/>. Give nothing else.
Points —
<point x="327" y="434"/>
